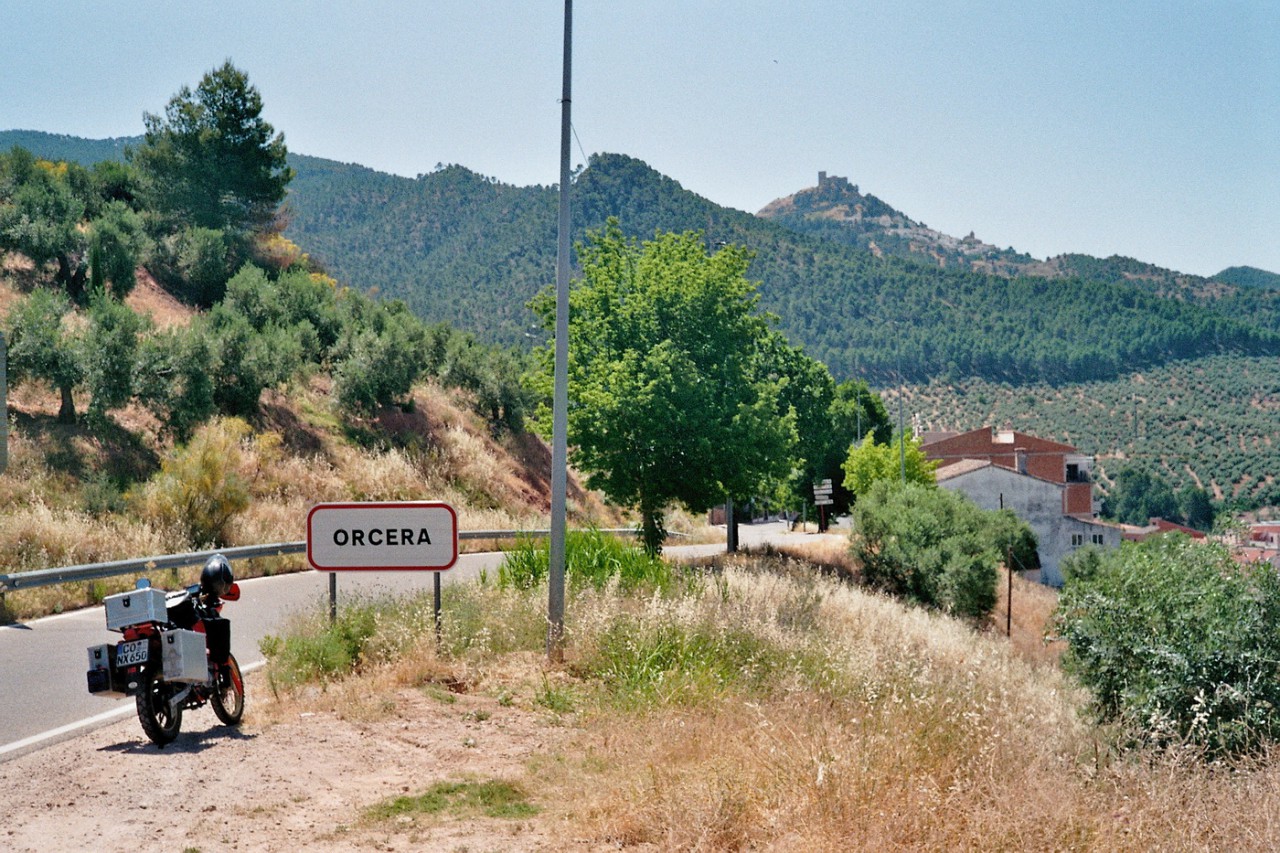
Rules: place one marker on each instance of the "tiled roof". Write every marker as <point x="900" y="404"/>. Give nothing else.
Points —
<point x="964" y="466"/>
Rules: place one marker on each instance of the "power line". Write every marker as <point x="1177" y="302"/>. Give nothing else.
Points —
<point x="579" y="141"/>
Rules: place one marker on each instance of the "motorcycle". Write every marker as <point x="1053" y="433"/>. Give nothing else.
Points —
<point x="175" y="652"/>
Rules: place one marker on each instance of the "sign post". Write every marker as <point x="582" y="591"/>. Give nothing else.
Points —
<point x="822" y="499"/>
<point x="382" y="537"/>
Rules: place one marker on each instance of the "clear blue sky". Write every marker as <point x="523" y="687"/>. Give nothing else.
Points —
<point x="1148" y="129"/>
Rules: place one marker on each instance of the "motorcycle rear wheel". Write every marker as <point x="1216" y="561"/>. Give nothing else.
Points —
<point x="160" y="721"/>
<point x="228" y="699"/>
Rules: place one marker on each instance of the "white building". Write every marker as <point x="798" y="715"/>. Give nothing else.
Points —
<point x="1041" y="503"/>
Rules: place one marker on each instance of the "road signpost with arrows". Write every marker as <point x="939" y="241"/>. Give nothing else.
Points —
<point x="822" y="499"/>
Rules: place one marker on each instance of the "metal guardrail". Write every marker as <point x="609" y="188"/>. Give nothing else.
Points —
<point x="97" y="571"/>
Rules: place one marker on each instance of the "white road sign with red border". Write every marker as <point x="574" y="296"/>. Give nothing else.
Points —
<point x="407" y="535"/>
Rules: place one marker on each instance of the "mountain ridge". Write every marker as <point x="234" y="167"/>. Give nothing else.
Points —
<point x="464" y="248"/>
<point x="88" y="151"/>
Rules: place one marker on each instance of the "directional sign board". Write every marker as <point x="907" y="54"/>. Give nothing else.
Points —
<point x="419" y="535"/>
<point x="822" y="494"/>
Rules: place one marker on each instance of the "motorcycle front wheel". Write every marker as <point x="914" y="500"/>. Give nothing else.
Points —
<point x="228" y="692"/>
<point x="159" y="720"/>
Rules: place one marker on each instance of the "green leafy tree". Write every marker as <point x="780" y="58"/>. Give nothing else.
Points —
<point x="118" y="243"/>
<point x="382" y="361"/>
<point x="870" y="462"/>
<point x="245" y="360"/>
<point x="211" y="160"/>
<point x="203" y="259"/>
<point x="493" y="376"/>
<point x="42" y="348"/>
<point x="854" y="413"/>
<point x="173" y="379"/>
<point x="40" y="216"/>
<point x="930" y="545"/>
<point x="1139" y="496"/>
<point x="1197" y="508"/>
<point x="857" y="411"/>
<point x="1013" y="540"/>
<point x="1176" y="641"/>
<point x="668" y="398"/>
<point x="116" y="181"/>
<point x="110" y="353"/>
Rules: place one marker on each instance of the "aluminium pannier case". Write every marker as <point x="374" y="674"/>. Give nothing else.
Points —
<point x="183" y="657"/>
<point x="102" y="678"/>
<point x="134" y="608"/>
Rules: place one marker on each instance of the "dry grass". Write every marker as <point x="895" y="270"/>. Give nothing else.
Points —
<point x="1029" y="622"/>
<point x="299" y="454"/>
<point x="879" y="727"/>
<point x="926" y="736"/>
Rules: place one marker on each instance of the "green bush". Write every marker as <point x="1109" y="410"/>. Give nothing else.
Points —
<point x="110" y="353"/>
<point x="1178" y="643"/>
<point x="325" y="652"/>
<point x="200" y="489"/>
<point x="591" y="557"/>
<point x="933" y="546"/>
<point x="203" y="260"/>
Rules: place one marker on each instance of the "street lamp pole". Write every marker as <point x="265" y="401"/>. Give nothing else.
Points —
<point x="560" y="394"/>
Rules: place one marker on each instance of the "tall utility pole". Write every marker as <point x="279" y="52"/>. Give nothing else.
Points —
<point x="560" y="395"/>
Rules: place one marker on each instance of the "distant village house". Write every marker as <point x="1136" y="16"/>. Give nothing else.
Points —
<point x="1045" y="483"/>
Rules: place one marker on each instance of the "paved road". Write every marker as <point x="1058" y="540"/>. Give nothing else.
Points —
<point x="43" y="662"/>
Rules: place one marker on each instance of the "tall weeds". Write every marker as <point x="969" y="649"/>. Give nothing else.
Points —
<point x="750" y="709"/>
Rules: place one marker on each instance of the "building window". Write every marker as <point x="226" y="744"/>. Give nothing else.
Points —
<point x="1097" y="539"/>
<point x="1077" y="539"/>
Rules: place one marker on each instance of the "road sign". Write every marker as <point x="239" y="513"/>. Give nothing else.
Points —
<point x="421" y="535"/>
<point x="822" y="494"/>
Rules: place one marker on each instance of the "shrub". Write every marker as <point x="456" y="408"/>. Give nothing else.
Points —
<point x="930" y="546"/>
<point x="591" y="557"/>
<point x="199" y="260"/>
<point x="199" y="488"/>
<point x="172" y="379"/>
<point x="110" y="353"/>
<point x="1177" y="642"/>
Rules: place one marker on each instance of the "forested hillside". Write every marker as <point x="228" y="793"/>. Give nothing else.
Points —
<point x="838" y="211"/>
<point x="460" y="247"/>
<point x="73" y="149"/>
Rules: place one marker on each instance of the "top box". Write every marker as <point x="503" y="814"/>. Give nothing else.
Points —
<point x="135" y="607"/>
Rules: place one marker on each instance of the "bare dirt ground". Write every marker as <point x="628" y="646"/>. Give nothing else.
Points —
<point x="286" y="779"/>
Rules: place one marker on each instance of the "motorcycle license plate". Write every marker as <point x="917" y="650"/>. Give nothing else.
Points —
<point x="131" y="653"/>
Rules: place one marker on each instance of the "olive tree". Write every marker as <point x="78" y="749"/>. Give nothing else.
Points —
<point x="43" y="348"/>
<point x="1177" y="642"/>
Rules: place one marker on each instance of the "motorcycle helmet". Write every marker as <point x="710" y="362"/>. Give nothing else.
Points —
<point x="215" y="577"/>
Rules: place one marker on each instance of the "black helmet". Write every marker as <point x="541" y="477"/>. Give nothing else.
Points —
<point x="215" y="578"/>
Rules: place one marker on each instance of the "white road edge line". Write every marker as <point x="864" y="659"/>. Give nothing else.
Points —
<point x="88" y="722"/>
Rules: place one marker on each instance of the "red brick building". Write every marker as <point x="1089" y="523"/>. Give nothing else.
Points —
<point x="1026" y="454"/>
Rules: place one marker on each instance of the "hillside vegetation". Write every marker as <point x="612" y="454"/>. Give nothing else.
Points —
<point x="467" y="246"/>
<point x="469" y="249"/>
<point x="61" y="502"/>
<point x="464" y="248"/>
<point x="1209" y="423"/>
